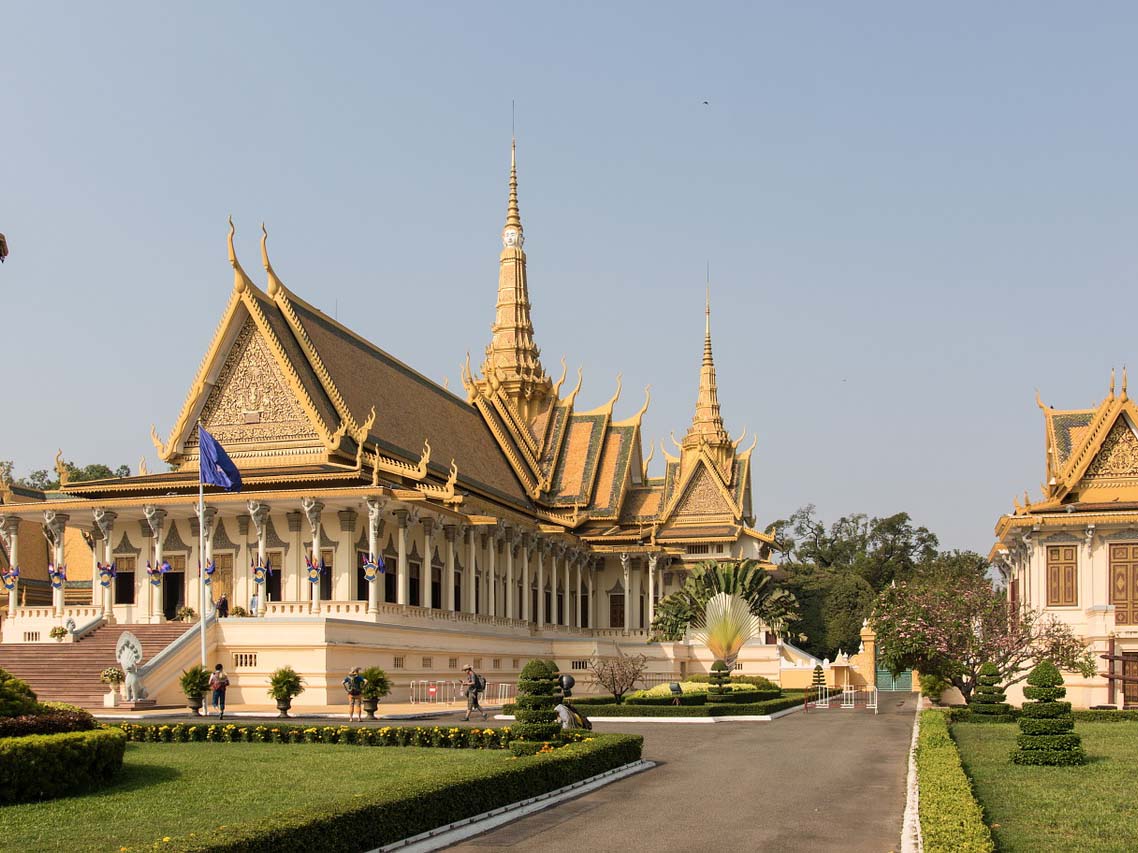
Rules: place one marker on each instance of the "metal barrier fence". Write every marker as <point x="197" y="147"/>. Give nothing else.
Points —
<point x="822" y="698"/>
<point x="450" y="692"/>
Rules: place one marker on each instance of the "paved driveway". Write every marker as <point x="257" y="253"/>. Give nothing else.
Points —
<point x="827" y="780"/>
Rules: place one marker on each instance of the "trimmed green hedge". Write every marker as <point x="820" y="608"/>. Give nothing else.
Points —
<point x="40" y="767"/>
<point x="951" y="819"/>
<point x="712" y="710"/>
<point x="960" y="714"/>
<point x="383" y="817"/>
<point x="684" y="699"/>
<point x="445" y="737"/>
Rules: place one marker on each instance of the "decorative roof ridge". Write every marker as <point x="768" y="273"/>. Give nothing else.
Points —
<point x="606" y="408"/>
<point x="681" y="488"/>
<point x="520" y="470"/>
<point x="639" y="416"/>
<point x="1097" y="430"/>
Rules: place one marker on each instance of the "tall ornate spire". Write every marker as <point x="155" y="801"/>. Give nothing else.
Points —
<point x="513" y="361"/>
<point x="707" y="424"/>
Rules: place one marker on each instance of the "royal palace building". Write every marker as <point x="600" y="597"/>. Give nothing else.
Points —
<point x="507" y="522"/>
<point x="1074" y="554"/>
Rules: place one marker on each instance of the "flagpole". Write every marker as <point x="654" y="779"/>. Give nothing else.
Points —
<point x="201" y="547"/>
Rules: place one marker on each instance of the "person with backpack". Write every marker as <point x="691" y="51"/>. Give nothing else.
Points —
<point x="473" y="684"/>
<point x="218" y="682"/>
<point x="354" y="687"/>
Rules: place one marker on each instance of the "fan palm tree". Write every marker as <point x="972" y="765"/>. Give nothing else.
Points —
<point x="746" y="579"/>
<point x="725" y="625"/>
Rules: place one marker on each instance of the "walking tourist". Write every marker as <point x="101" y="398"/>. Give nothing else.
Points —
<point x="223" y="606"/>
<point x="218" y="681"/>
<point x="254" y="604"/>
<point x="354" y="687"/>
<point x="473" y="684"/>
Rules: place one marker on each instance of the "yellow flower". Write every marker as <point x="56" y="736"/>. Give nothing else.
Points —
<point x="166" y="838"/>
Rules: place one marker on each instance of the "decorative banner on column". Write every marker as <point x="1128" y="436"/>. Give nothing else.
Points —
<point x="106" y="574"/>
<point x="260" y="572"/>
<point x="9" y="577"/>
<point x="207" y="575"/>
<point x="372" y="568"/>
<point x="314" y="570"/>
<point x="57" y="576"/>
<point x="155" y="574"/>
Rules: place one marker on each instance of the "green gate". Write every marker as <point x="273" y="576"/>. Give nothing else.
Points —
<point x="887" y="681"/>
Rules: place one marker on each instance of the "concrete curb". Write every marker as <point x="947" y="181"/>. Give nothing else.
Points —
<point x="453" y="833"/>
<point x="751" y="718"/>
<point x="911" y="840"/>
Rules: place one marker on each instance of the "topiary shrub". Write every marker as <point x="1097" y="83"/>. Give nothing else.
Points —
<point x="16" y="698"/>
<point x="718" y="692"/>
<point x="40" y="767"/>
<point x="988" y="701"/>
<point x="537" y="697"/>
<point x="817" y="681"/>
<point x="1045" y="724"/>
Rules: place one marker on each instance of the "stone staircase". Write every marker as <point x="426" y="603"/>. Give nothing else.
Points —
<point x="69" y="672"/>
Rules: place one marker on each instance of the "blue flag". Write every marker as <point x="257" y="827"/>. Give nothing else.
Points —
<point x="216" y="467"/>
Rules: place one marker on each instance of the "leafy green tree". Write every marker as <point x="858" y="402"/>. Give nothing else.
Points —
<point x="745" y="578"/>
<point x="46" y="481"/>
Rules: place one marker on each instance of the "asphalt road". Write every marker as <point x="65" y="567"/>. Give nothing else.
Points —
<point x="827" y="780"/>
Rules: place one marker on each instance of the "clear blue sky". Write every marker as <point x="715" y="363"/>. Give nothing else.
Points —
<point x="914" y="216"/>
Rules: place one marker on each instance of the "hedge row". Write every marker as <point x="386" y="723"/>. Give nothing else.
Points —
<point x="684" y="699"/>
<point x="965" y="715"/>
<point x="408" y="809"/>
<point x="49" y="722"/>
<point x="951" y="819"/>
<point x="714" y="710"/>
<point x="40" y="767"/>
<point x="446" y="737"/>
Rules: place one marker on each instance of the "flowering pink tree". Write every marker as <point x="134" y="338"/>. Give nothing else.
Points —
<point x="952" y="623"/>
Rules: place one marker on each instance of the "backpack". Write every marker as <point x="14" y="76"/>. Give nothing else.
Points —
<point x="480" y="683"/>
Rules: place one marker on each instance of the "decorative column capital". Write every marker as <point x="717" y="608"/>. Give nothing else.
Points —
<point x="428" y="524"/>
<point x="625" y="561"/>
<point x="155" y="518"/>
<point x="1089" y="535"/>
<point x="53" y="525"/>
<point x="401" y="517"/>
<point x="450" y="531"/>
<point x="652" y="558"/>
<point x="312" y="509"/>
<point x="105" y="521"/>
<point x="347" y="519"/>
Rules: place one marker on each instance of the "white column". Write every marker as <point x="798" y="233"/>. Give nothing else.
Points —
<point x="10" y="531"/>
<point x="468" y="580"/>
<point x="209" y="523"/>
<point x="577" y="608"/>
<point x="105" y="521"/>
<point x="374" y="520"/>
<point x="492" y="574"/>
<point x="625" y="562"/>
<point x="566" y="605"/>
<point x="426" y="571"/>
<point x="259" y="512"/>
<point x="652" y="558"/>
<point x="403" y="575"/>
<point x="592" y="571"/>
<point x="542" y="550"/>
<point x="511" y="612"/>
<point x="155" y="518"/>
<point x="527" y="595"/>
<point x="312" y="509"/>
<point x="449" y="531"/>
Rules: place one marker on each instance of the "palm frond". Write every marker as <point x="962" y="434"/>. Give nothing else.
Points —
<point x="725" y="625"/>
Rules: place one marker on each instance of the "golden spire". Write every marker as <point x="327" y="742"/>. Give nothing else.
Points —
<point x="513" y="361"/>
<point x="707" y="424"/>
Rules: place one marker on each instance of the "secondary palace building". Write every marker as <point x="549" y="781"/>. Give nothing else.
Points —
<point x="1074" y="553"/>
<point x="510" y="523"/>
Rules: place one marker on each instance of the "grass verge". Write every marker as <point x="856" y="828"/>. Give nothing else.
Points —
<point x="1089" y="808"/>
<point x="252" y="797"/>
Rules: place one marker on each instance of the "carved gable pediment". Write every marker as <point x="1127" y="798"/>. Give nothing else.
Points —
<point x="252" y="402"/>
<point x="703" y="496"/>
<point x="1117" y="459"/>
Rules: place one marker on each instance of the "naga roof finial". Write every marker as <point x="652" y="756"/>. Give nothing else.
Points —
<point x="240" y="280"/>
<point x="275" y="285"/>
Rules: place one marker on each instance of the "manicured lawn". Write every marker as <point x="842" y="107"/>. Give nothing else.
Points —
<point x="177" y="789"/>
<point x="1090" y="808"/>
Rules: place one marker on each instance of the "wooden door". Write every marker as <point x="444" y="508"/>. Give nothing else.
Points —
<point x="1130" y="688"/>
<point x="1124" y="583"/>
<point x="616" y="610"/>
<point x="222" y="581"/>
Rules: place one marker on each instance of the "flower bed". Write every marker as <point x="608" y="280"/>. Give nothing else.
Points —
<point x="40" y="767"/>
<point x="951" y="819"/>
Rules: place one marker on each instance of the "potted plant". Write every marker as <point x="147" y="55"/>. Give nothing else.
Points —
<point x="376" y="686"/>
<point x="57" y="633"/>
<point x="114" y="677"/>
<point x="285" y="685"/>
<point x="195" y="683"/>
<point x="185" y="614"/>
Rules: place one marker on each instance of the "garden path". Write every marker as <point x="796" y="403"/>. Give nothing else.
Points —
<point x="827" y="780"/>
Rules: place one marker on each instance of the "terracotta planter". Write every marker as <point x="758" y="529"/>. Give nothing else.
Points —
<point x="283" y="705"/>
<point x="370" y="706"/>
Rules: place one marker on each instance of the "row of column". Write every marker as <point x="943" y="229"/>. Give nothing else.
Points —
<point x="541" y="560"/>
<point x="654" y="564"/>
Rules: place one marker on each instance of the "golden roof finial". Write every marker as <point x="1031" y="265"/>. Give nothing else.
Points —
<point x="240" y="280"/>
<point x="513" y="216"/>
<point x="1039" y="401"/>
<point x="1111" y="395"/>
<point x="1124" y="382"/>
<point x="707" y="424"/>
<point x="275" y="285"/>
